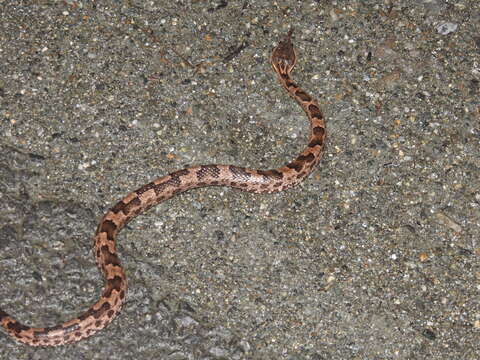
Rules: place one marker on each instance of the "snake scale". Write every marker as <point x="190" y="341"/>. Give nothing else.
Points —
<point x="109" y="305"/>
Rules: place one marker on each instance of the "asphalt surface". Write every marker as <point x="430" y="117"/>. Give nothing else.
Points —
<point x="375" y="256"/>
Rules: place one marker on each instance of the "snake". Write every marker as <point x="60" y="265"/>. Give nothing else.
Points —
<point x="109" y="305"/>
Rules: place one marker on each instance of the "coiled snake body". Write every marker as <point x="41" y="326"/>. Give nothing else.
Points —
<point x="110" y="303"/>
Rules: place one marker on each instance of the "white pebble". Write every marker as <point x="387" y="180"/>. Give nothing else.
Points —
<point x="446" y="28"/>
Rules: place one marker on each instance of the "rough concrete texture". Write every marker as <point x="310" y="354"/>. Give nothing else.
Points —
<point x="375" y="256"/>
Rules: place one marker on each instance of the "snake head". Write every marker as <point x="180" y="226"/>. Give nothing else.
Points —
<point x="283" y="56"/>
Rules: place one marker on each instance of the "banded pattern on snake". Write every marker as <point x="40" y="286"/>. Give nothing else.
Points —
<point x="109" y="305"/>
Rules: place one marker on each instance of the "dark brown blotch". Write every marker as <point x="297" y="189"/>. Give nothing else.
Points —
<point x="301" y="175"/>
<point x="318" y="131"/>
<point x="104" y="308"/>
<point x="174" y="181"/>
<point x="290" y="83"/>
<point x="175" y="177"/>
<point x="16" y="327"/>
<point x="318" y="141"/>
<point x="303" y="95"/>
<point x="295" y="165"/>
<point x="179" y="173"/>
<point x="108" y="257"/>
<point x="306" y="158"/>
<point x="132" y="205"/>
<point x="87" y="314"/>
<point x="145" y="188"/>
<point x="160" y="188"/>
<point x="239" y="172"/>
<point x="275" y="174"/>
<point x="161" y="198"/>
<point x="114" y="283"/>
<point x="119" y="207"/>
<point x="208" y="170"/>
<point x="108" y="227"/>
<point x="315" y="111"/>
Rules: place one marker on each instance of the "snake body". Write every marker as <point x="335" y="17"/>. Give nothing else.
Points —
<point x="109" y="305"/>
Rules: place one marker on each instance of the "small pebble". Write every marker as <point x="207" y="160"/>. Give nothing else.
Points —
<point x="445" y="220"/>
<point x="446" y="28"/>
